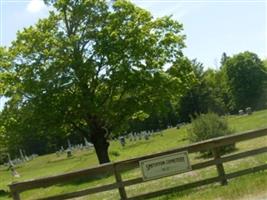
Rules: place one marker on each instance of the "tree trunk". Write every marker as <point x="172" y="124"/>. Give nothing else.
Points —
<point x="101" y="145"/>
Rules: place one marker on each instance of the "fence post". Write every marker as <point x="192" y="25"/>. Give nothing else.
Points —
<point x="121" y="188"/>
<point x="219" y="166"/>
<point x="15" y="195"/>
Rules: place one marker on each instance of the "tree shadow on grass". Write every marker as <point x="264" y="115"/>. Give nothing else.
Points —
<point x="4" y="194"/>
<point x="79" y="181"/>
<point x="137" y="143"/>
<point x="60" y="159"/>
<point x="176" y="194"/>
<point x="207" y="154"/>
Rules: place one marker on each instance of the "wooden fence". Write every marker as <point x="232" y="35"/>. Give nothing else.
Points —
<point x="117" y="168"/>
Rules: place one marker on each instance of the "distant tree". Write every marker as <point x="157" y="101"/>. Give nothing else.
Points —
<point x="157" y="120"/>
<point x="223" y="58"/>
<point x="245" y="75"/>
<point x="218" y="97"/>
<point x="191" y="103"/>
<point x="3" y="64"/>
<point x="265" y="63"/>
<point x="90" y="69"/>
<point x="208" y="93"/>
<point x="3" y="146"/>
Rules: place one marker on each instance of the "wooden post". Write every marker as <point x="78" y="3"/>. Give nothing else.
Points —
<point x="220" y="168"/>
<point x="15" y="195"/>
<point x="121" y="188"/>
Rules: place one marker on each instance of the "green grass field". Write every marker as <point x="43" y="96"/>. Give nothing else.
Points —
<point x="246" y="187"/>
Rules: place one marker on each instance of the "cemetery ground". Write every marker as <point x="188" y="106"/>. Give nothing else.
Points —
<point x="252" y="186"/>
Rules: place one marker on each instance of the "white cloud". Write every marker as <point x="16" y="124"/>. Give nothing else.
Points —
<point x="35" y="6"/>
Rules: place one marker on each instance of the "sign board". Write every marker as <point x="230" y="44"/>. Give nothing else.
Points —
<point x="165" y="165"/>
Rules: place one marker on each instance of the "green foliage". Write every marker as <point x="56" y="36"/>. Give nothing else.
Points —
<point x="3" y="148"/>
<point x="265" y="63"/>
<point x="239" y="83"/>
<point x="207" y="126"/>
<point x="208" y="93"/>
<point x="245" y="75"/>
<point x="218" y="93"/>
<point x="189" y="103"/>
<point x="88" y="69"/>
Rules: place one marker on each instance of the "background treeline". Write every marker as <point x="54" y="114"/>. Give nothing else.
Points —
<point x="239" y="82"/>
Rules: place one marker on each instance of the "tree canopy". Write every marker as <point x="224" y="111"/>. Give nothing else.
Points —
<point x="246" y="76"/>
<point x="95" y="69"/>
<point x="89" y="69"/>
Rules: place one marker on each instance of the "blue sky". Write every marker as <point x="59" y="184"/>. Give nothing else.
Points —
<point x="211" y="26"/>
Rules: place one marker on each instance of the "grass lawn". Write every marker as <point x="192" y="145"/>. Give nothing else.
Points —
<point x="247" y="187"/>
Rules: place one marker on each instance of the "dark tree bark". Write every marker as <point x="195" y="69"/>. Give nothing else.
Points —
<point x="101" y="145"/>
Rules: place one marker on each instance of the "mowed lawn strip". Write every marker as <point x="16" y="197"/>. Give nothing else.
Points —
<point x="239" y="188"/>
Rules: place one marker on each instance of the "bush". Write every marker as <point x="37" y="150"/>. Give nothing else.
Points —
<point x="207" y="126"/>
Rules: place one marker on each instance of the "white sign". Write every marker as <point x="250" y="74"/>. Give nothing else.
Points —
<point x="165" y="165"/>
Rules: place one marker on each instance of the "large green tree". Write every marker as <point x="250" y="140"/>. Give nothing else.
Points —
<point x="245" y="74"/>
<point x="92" y="67"/>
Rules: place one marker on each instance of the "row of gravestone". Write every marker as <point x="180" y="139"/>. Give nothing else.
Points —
<point x="134" y="136"/>
<point x="87" y="145"/>
<point x="143" y="135"/>
<point x="19" y="160"/>
<point x="11" y="164"/>
<point x="247" y="111"/>
<point x="72" y="148"/>
<point x="122" y="139"/>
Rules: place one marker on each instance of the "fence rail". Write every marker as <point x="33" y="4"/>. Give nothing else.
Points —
<point x="117" y="168"/>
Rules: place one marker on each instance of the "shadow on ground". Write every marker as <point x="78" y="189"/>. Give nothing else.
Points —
<point x="4" y="194"/>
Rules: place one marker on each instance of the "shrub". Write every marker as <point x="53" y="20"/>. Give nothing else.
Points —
<point x="207" y="126"/>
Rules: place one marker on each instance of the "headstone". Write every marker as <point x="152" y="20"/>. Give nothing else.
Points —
<point x="135" y="136"/>
<point x="61" y="150"/>
<point x="26" y="158"/>
<point x="85" y="141"/>
<point x="69" y="144"/>
<point x="122" y="140"/>
<point x="249" y="110"/>
<point x="14" y="173"/>
<point x="152" y="133"/>
<point x="10" y="163"/>
<point x="146" y="136"/>
<point x="87" y="144"/>
<point x="131" y="137"/>
<point x="241" y="112"/>
<point x="11" y="167"/>
<point x="69" y="154"/>
<point x="140" y="136"/>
